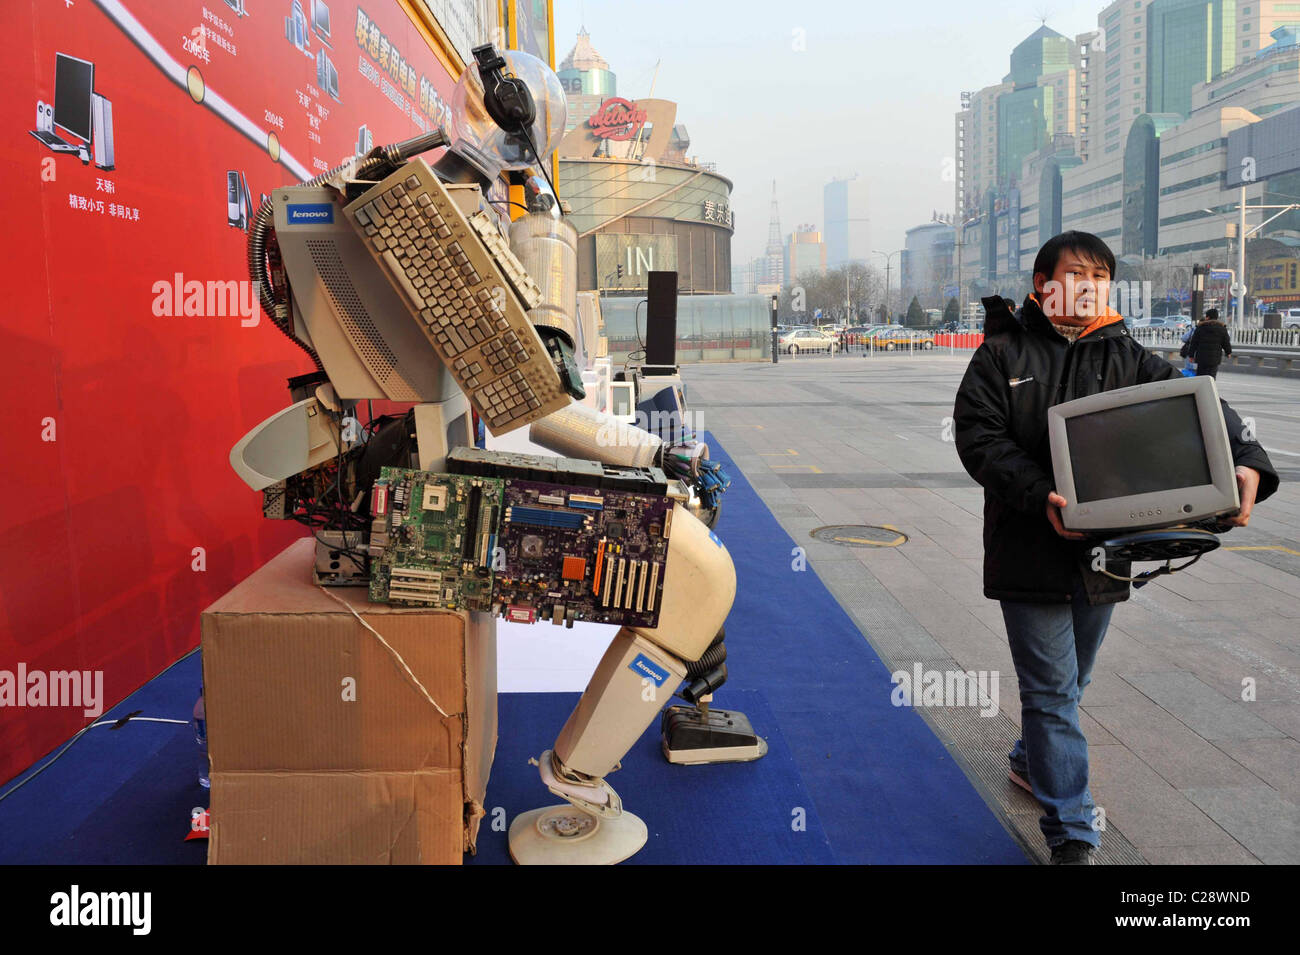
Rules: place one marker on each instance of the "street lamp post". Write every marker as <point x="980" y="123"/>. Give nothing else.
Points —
<point x="888" y="257"/>
<point x="961" y="288"/>
<point x="1242" y="235"/>
<point x="775" y="347"/>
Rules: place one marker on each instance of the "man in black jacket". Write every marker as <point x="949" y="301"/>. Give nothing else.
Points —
<point x="1064" y="344"/>
<point x="1208" y="344"/>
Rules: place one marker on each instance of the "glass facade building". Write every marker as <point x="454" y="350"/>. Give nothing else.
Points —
<point x="1188" y="42"/>
<point x="709" y="327"/>
<point x="1025" y="118"/>
<point x="1140" y="212"/>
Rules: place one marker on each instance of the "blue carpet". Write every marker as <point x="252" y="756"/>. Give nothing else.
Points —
<point x="885" y="788"/>
<point x="739" y="813"/>
<point x="873" y="782"/>
<point x="118" y="796"/>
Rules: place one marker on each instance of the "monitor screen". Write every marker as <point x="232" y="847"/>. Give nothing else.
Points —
<point x="74" y="82"/>
<point x="1137" y="449"/>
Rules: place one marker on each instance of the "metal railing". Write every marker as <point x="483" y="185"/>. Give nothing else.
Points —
<point x="1248" y="337"/>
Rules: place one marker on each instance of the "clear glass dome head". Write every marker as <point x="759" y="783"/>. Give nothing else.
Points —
<point x="475" y="134"/>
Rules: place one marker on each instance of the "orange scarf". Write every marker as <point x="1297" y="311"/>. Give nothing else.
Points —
<point x="1108" y="317"/>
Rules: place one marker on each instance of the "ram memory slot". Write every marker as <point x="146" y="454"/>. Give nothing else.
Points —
<point x="487" y="521"/>
<point x="544" y="517"/>
<point x="469" y="538"/>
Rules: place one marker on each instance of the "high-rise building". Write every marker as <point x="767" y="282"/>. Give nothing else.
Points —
<point x="773" y="270"/>
<point x="587" y="80"/>
<point x="1260" y="21"/>
<point x="846" y="212"/>
<point x="1119" y="72"/>
<point x="1195" y="41"/>
<point x="1160" y="90"/>
<point x="977" y="149"/>
<point x="1044" y="102"/>
<point x="1188" y="42"/>
<point x="804" y="252"/>
<point x="1088" y="65"/>
<point x="927" y="262"/>
<point x="744" y="277"/>
<point x="1263" y="83"/>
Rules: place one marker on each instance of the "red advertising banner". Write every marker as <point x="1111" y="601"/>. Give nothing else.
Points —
<point x="138" y="138"/>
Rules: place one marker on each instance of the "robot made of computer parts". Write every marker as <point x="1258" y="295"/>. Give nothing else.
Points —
<point x="396" y="279"/>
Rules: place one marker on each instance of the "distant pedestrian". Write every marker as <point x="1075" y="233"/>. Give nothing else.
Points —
<point x="1189" y="366"/>
<point x="1209" y="344"/>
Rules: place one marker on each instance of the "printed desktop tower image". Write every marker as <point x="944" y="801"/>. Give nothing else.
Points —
<point x="101" y="119"/>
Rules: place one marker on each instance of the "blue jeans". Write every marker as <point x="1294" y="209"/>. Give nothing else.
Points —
<point x="1054" y="647"/>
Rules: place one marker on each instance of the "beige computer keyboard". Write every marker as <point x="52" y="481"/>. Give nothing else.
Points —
<point x="466" y="290"/>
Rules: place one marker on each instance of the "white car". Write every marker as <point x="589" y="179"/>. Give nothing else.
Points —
<point x="1166" y="327"/>
<point x="807" y="339"/>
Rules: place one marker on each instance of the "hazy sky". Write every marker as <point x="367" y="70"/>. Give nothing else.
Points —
<point x="873" y="91"/>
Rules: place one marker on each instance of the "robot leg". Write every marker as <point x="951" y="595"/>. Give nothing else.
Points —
<point x="640" y="670"/>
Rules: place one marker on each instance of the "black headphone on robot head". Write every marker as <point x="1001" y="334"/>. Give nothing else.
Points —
<point x="506" y="98"/>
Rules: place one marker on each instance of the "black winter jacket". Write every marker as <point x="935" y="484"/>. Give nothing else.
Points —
<point x="1208" y="344"/>
<point x="1000" y="417"/>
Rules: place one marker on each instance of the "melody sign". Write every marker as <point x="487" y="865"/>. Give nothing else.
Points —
<point x="617" y="119"/>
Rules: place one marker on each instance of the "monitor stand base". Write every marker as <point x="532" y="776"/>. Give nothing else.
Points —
<point x="1174" y="543"/>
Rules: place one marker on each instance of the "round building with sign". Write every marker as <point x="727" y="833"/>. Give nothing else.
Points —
<point x="639" y="201"/>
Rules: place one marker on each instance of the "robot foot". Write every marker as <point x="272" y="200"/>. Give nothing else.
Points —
<point x="567" y="835"/>
<point x="693" y="735"/>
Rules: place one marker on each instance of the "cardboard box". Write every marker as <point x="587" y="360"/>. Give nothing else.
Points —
<point x="323" y="749"/>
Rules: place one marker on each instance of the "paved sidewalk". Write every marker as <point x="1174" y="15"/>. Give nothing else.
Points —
<point x="1185" y="770"/>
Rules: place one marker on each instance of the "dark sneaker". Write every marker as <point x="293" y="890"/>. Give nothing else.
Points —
<point x="1021" y="778"/>
<point x="1072" y="852"/>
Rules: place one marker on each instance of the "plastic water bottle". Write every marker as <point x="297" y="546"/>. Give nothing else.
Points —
<point x="201" y="737"/>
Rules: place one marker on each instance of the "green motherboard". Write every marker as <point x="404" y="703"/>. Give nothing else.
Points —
<point x="433" y="539"/>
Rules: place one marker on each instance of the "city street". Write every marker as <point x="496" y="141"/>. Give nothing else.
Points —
<point x="1185" y="769"/>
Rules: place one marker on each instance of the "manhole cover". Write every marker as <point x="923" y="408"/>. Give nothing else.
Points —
<point x="860" y="535"/>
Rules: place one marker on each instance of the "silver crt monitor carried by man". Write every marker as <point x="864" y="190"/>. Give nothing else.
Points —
<point x="1144" y="457"/>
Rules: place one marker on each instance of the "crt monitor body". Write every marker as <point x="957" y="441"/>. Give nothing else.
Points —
<point x="1143" y="457"/>
<point x="345" y="307"/>
<point x="662" y="399"/>
<point x="74" y="83"/>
